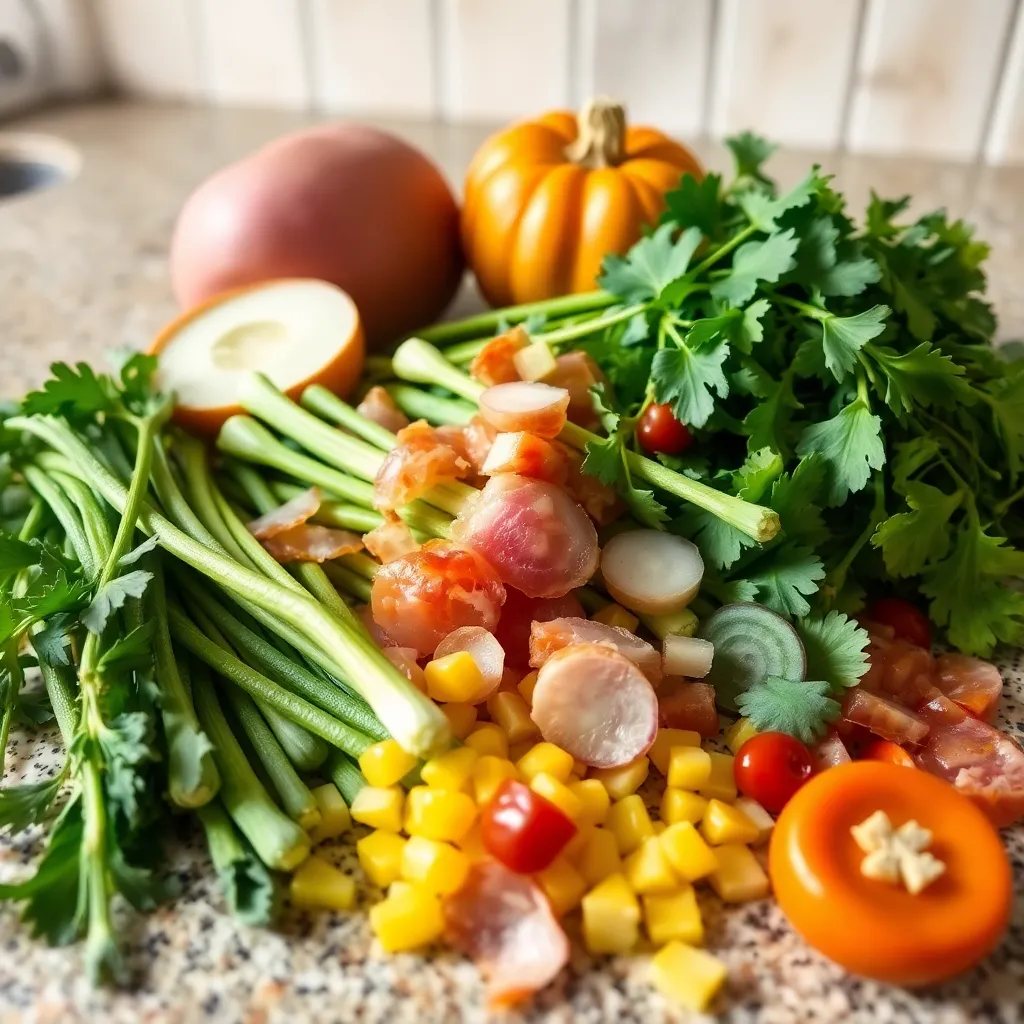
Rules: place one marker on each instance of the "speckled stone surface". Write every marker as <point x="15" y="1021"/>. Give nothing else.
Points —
<point x="82" y="269"/>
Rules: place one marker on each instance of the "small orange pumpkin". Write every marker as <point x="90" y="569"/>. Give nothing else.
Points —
<point x="545" y="200"/>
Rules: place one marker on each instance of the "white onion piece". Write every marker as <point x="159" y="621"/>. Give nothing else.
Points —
<point x="652" y="572"/>
<point x="686" y="656"/>
<point x="535" y="361"/>
<point x="484" y="649"/>
<point x="525" y="405"/>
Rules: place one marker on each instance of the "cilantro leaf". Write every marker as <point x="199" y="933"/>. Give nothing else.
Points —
<point x="51" y="642"/>
<point x="604" y="460"/>
<point x="836" y="649"/>
<point x="113" y="596"/>
<point x="768" y="423"/>
<point x="27" y="804"/>
<point x="762" y="211"/>
<point x="126" y="743"/>
<point x="757" y="474"/>
<point x="844" y="336"/>
<point x="711" y="327"/>
<point x="923" y="376"/>
<point x="685" y="379"/>
<point x="756" y="261"/>
<point x="133" y="650"/>
<point x="912" y="457"/>
<point x="909" y="540"/>
<point x="797" y="708"/>
<point x="750" y="151"/>
<point x="751" y="329"/>
<point x="16" y="554"/>
<point x="851" y="445"/>
<point x="849" y="277"/>
<point x="695" y="204"/>
<point x="131" y="557"/>
<point x="797" y="498"/>
<point x="720" y="544"/>
<point x="1006" y="400"/>
<point x="646" y="509"/>
<point x="76" y="392"/>
<point x="650" y="265"/>
<point x="784" y="578"/>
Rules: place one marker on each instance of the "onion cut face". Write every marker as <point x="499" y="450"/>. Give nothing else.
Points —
<point x="485" y="651"/>
<point x="495" y="362"/>
<point x="687" y="656"/>
<point x="292" y="513"/>
<point x="652" y="572"/>
<point x="391" y="540"/>
<point x="596" y="704"/>
<point x="422" y="459"/>
<point x="527" y="455"/>
<point x="379" y="407"/>
<point x="312" y="543"/>
<point x="525" y="405"/>
<point x="548" y="637"/>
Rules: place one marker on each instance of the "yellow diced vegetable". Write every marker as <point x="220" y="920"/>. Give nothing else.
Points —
<point x="759" y="816"/>
<point x="722" y="784"/>
<point x="563" y="885"/>
<point x="335" y="819"/>
<point x="455" y="677"/>
<point x="526" y="686"/>
<point x="411" y="918"/>
<point x="385" y="763"/>
<point x="680" y="805"/>
<point x="579" y="768"/>
<point x="594" y="798"/>
<point x="319" y="884"/>
<point x="659" y="827"/>
<point x="380" y="856"/>
<point x="687" y="852"/>
<point x="472" y="845"/>
<point x="573" y="850"/>
<point x="379" y="807"/>
<point x="600" y="857"/>
<point x="739" y="877"/>
<point x="687" y="976"/>
<point x="688" y="768"/>
<point x="674" y="917"/>
<point x="611" y="917"/>
<point x="452" y="770"/>
<point x="399" y="887"/>
<point x="439" y="814"/>
<point x="488" y="774"/>
<point x="723" y="823"/>
<point x="616" y="615"/>
<point x="488" y="739"/>
<point x="738" y="733"/>
<point x="648" y="871"/>
<point x="535" y="361"/>
<point x="518" y="750"/>
<point x="557" y="793"/>
<point x="510" y="712"/>
<point x="546" y="757"/>
<point x="629" y="822"/>
<point x="666" y="739"/>
<point x="461" y="718"/>
<point x="625" y="779"/>
<point x="437" y="866"/>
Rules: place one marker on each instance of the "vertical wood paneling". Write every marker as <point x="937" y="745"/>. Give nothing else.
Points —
<point x="927" y="74"/>
<point x="374" y="57"/>
<point x="504" y="60"/>
<point x="783" y="67"/>
<point x="1005" y="144"/>
<point x="254" y="52"/>
<point x="655" y="60"/>
<point x="76" y="61"/>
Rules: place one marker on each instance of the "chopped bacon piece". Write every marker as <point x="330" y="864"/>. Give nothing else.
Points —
<point x="518" y="614"/>
<point x="898" y="670"/>
<point x="578" y="373"/>
<point x="525" y="405"/>
<point x="312" y="543"/>
<point x="477" y="437"/>
<point x="938" y="709"/>
<point x="404" y="659"/>
<point x="485" y="651"/>
<point x="377" y="405"/>
<point x="829" y="752"/>
<point x="972" y="683"/>
<point x="494" y="363"/>
<point x="883" y="717"/>
<point x="420" y="598"/>
<point x="548" y="637"/>
<point x="421" y="459"/>
<point x="292" y="513"/>
<point x="686" y="705"/>
<point x="527" y="455"/>
<point x="503" y="922"/>
<point x="390" y="540"/>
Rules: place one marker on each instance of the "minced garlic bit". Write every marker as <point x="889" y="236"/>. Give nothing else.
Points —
<point x="897" y="855"/>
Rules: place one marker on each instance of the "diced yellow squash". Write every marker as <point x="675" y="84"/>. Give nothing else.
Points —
<point x="759" y="816"/>
<point x="379" y="807"/>
<point x="518" y="750"/>
<point x="461" y="718"/>
<point x="594" y="799"/>
<point x="535" y="361"/>
<point x="739" y="877"/>
<point x="625" y="779"/>
<point x="579" y="768"/>
<point x="380" y="856"/>
<point x="687" y="976"/>
<point x="680" y="805"/>
<point x="688" y="768"/>
<point x="526" y="686"/>
<point x="437" y="866"/>
<point x="408" y="920"/>
<point x="724" y="823"/>
<point x="666" y="739"/>
<point x="398" y="887"/>
<point x="472" y="845"/>
<point x="689" y="855"/>
<point x="600" y="857"/>
<point x="385" y="763"/>
<point x="335" y="819"/>
<point x="488" y="739"/>
<point x="489" y="773"/>
<point x="455" y="677"/>
<point x="616" y="615"/>
<point x="611" y="917"/>
<point x="546" y="757"/>
<point x="674" y="917"/>
<point x="557" y="793"/>
<point x="629" y="822"/>
<point x="722" y="784"/>
<point x="510" y="712"/>
<point x="573" y="850"/>
<point x="738" y="733"/>
<point x="451" y="770"/>
<point x="439" y="814"/>
<point x="659" y="827"/>
<point x="648" y="871"/>
<point x="563" y="885"/>
<point x="319" y="884"/>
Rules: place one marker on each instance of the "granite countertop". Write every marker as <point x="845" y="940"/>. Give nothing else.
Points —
<point x="83" y="269"/>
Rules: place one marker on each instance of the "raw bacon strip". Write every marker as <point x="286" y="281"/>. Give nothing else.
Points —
<point x="596" y="704"/>
<point x="404" y="659"/>
<point x="291" y="514"/>
<point x="421" y="459"/>
<point x="972" y="683"/>
<point x="883" y="718"/>
<point x="525" y="405"/>
<point x="484" y="649"/>
<point x="312" y="543"/>
<point x="548" y="637"/>
<point x="578" y="373"/>
<point x="477" y="437"/>
<point x="503" y="922"/>
<point x="391" y="540"/>
<point x="495" y="363"/>
<point x="518" y="614"/>
<point x="527" y="455"/>
<point x="377" y="405"/>
<point x="685" y="705"/>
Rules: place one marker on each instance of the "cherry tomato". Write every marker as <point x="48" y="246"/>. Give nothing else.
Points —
<point x="886" y="750"/>
<point x="522" y="829"/>
<point x="661" y="433"/>
<point x="770" y="767"/>
<point x="907" y="621"/>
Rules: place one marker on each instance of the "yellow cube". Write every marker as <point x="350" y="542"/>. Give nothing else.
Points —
<point x="739" y="877"/>
<point x="385" y="763"/>
<point x="616" y="615"/>
<point x="461" y="719"/>
<point x="594" y="799"/>
<point x="380" y="856"/>
<point x="573" y="850"/>
<point x="738" y="733"/>
<point x="659" y="827"/>
<point x="526" y="686"/>
<point x="319" y="884"/>
<point x="518" y="750"/>
<point x="472" y="845"/>
<point x="630" y="823"/>
<point x="439" y="814"/>
<point x="455" y="677"/>
<point x="687" y="976"/>
<point x="666" y="739"/>
<point x="579" y="768"/>
<point x="625" y="779"/>
<point x="546" y="757"/>
<point x="437" y="866"/>
<point x="379" y="807"/>
<point x="759" y="816"/>
<point x="722" y="784"/>
<point x="563" y="885"/>
<point x="488" y="774"/>
<point x="688" y="768"/>
<point x="648" y="871"/>
<point x="488" y="739"/>
<point x="724" y="823"/>
<point x="557" y="793"/>
<point x="611" y="917"/>
<point x="599" y="857"/>
<point x="398" y="887"/>
<point x="689" y="855"/>
<point x="452" y="770"/>
<point x="680" y="805"/>
<point x="408" y="920"/>
<point x="335" y="819"/>
<point x="510" y="712"/>
<point x="674" y="917"/>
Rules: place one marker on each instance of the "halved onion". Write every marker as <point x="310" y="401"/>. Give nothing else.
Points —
<point x="292" y="513"/>
<point x="484" y="649"/>
<point x="525" y="405"/>
<point x="652" y="572"/>
<point x="686" y="656"/>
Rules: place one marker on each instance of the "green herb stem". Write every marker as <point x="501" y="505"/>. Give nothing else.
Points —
<point x="349" y="581"/>
<point x="329" y="406"/>
<point x="67" y="515"/>
<point x="345" y="774"/>
<point x="418" y="404"/>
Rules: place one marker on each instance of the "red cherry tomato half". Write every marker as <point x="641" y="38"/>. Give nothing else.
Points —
<point x="660" y="432"/>
<point x="907" y="621"/>
<point x="522" y="829"/>
<point x="770" y="767"/>
<point x="886" y="750"/>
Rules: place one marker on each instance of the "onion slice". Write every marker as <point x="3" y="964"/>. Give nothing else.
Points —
<point x="485" y="651"/>
<point x="312" y="543"/>
<point x="292" y="513"/>
<point x="688" y="656"/>
<point x="525" y="405"/>
<point x="553" y="635"/>
<point x="652" y="572"/>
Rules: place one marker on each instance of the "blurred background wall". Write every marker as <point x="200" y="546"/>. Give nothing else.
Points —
<point x="942" y="78"/>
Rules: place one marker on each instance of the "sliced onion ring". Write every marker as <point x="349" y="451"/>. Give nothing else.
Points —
<point x="652" y="572"/>
<point x="484" y="649"/>
<point x="525" y="405"/>
<point x="686" y="656"/>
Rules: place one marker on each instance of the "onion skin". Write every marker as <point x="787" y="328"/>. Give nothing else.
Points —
<point x="346" y="203"/>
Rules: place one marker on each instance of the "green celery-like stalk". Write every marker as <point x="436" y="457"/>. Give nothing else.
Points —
<point x="67" y="515"/>
<point x="328" y="406"/>
<point x="349" y="581"/>
<point x="345" y="774"/>
<point x="424" y="405"/>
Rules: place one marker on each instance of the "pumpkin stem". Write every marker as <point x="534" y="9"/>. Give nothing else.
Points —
<point x="601" y="134"/>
